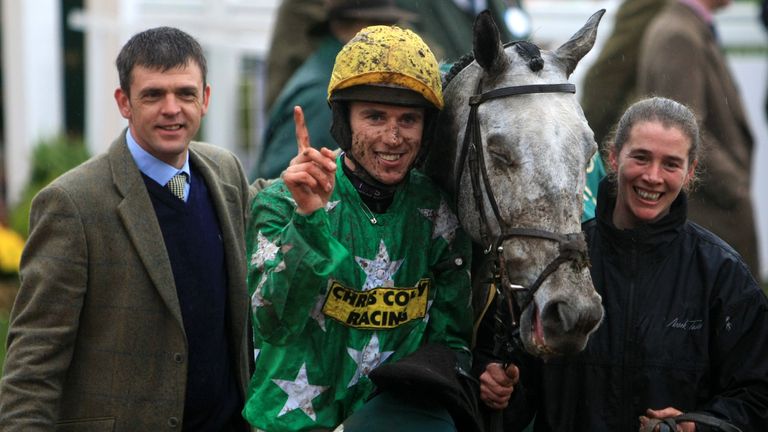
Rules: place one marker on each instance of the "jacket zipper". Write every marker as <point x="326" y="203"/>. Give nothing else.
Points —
<point x="629" y="351"/>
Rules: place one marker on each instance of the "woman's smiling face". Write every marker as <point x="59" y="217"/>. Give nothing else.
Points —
<point x="386" y="139"/>
<point x="651" y="168"/>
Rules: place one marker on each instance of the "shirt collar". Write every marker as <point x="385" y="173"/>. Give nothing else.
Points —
<point x="703" y="12"/>
<point x="151" y="166"/>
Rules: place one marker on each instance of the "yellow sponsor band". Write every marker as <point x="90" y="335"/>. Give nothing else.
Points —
<point x="378" y="308"/>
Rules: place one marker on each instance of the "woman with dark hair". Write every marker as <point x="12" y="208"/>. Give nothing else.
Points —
<point x="686" y="325"/>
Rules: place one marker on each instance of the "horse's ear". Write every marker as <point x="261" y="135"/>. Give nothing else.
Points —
<point x="571" y="52"/>
<point x="486" y="42"/>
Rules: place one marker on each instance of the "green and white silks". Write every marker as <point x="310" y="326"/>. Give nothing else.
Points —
<point x="334" y="296"/>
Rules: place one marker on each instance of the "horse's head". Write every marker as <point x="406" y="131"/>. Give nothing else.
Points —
<point x="517" y="145"/>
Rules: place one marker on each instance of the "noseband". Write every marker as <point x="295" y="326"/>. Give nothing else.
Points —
<point x="572" y="247"/>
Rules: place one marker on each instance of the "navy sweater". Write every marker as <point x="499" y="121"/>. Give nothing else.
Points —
<point x="195" y="248"/>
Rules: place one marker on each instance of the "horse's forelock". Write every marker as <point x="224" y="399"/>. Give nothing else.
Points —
<point x="529" y="51"/>
<point x="458" y="66"/>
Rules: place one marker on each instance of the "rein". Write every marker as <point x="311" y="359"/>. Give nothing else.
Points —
<point x="572" y="247"/>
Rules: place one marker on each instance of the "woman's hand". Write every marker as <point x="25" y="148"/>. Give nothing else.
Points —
<point x="665" y="413"/>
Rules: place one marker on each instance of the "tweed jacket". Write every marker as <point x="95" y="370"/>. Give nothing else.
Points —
<point x="610" y="83"/>
<point x="682" y="60"/>
<point x="96" y="339"/>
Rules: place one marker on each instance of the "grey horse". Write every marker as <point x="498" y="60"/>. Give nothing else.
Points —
<point x="516" y="144"/>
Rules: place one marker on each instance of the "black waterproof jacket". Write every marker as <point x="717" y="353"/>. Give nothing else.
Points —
<point x="685" y="326"/>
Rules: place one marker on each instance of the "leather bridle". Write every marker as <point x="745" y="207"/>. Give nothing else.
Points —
<point x="572" y="247"/>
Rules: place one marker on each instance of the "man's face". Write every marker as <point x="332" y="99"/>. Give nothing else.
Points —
<point x="385" y="139"/>
<point x="651" y="170"/>
<point x="164" y="109"/>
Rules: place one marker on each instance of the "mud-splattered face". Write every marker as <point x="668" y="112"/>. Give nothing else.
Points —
<point x="385" y="139"/>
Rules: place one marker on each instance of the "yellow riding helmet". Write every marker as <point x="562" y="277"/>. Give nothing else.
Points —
<point x="387" y="56"/>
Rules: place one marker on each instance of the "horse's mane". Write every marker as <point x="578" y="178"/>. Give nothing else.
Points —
<point x="527" y="50"/>
<point x="458" y="66"/>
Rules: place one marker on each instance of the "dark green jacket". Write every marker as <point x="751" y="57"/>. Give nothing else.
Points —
<point x="447" y="28"/>
<point x="308" y="88"/>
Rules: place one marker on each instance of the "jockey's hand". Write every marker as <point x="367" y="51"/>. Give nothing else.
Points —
<point x="497" y="384"/>
<point x="312" y="173"/>
<point x="665" y="413"/>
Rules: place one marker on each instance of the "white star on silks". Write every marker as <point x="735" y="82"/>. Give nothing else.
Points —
<point x="281" y="265"/>
<point x="368" y="359"/>
<point x="330" y="205"/>
<point x="379" y="271"/>
<point x="265" y="251"/>
<point x="317" y="311"/>
<point x="443" y="220"/>
<point x="300" y="393"/>
<point x="429" y="306"/>
<point x="469" y="297"/>
<point x="257" y="299"/>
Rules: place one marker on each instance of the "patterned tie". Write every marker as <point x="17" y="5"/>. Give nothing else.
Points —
<point x="176" y="184"/>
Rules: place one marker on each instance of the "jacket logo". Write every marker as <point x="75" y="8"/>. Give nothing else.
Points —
<point x="688" y="325"/>
<point x="378" y="308"/>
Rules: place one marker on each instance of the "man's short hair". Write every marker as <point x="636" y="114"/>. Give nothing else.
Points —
<point x="160" y="48"/>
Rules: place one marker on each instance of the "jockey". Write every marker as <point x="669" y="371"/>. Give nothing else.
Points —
<point x="357" y="262"/>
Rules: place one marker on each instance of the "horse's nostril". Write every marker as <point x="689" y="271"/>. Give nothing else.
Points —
<point x="560" y="316"/>
<point x="592" y="318"/>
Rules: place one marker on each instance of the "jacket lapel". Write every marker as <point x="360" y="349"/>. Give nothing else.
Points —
<point x="226" y="201"/>
<point x="731" y="90"/>
<point x="138" y="217"/>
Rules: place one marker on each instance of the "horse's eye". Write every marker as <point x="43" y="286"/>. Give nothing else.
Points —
<point x="500" y="155"/>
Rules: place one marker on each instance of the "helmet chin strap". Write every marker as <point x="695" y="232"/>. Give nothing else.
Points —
<point x="367" y="178"/>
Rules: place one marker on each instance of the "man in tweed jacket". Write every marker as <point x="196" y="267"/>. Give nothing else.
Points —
<point x="121" y="322"/>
